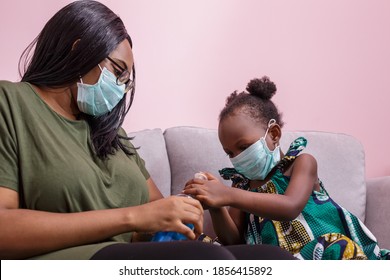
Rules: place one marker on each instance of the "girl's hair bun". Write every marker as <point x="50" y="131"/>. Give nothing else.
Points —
<point x="263" y="88"/>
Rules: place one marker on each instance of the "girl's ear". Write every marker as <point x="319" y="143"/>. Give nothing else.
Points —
<point x="275" y="132"/>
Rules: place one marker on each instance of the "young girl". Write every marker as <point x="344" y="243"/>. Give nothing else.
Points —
<point x="276" y="198"/>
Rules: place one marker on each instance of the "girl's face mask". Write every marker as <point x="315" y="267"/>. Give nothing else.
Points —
<point x="102" y="97"/>
<point x="256" y="161"/>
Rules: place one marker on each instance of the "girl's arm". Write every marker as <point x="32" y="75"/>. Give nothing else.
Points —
<point x="273" y="206"/>
<point x="285" y="207"/>
<point x="228" y="225"/>
<point x="26" y="233"/>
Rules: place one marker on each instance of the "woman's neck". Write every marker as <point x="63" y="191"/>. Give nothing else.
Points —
<point x="60" y="100"/>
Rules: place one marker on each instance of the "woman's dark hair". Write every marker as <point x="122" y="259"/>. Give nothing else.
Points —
<point x="57" y="61"/>
<point x="256" y="102"/>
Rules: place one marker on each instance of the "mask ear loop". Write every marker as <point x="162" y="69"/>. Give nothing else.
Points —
<point x="82" y="79"/>
<point x="270" y="123"/>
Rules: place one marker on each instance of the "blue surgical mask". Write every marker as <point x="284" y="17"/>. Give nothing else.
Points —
<point x="102" y="97"/>
<point x="256" y="161"/>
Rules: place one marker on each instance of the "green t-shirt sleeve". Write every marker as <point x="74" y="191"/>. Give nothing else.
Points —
<point x="8" y="146"/>
<point x="140" y="162"/>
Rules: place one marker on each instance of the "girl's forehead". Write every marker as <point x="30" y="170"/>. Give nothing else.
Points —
<point x="240" y="120"/>
<point x="239" y="124"/>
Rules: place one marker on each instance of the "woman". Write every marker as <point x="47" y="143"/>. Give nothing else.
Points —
<point x="70" y="181"/>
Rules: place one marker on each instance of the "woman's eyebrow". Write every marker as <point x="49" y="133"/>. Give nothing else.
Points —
<point x="124" y="63"/>
<point x="120" y="63"/>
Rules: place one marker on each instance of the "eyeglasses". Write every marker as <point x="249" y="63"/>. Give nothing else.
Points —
<point x="123" y="78"/>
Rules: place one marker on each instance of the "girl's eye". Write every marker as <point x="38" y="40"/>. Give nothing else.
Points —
<point x="243" y="148"/>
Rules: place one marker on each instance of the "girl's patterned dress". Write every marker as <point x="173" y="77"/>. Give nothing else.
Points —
<point x="324" y="230"/>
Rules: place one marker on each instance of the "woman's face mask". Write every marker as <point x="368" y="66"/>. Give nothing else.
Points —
<point x="256" y="161"/>
<point x="102" y="97"/>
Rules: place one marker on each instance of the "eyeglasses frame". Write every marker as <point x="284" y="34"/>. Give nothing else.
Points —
<point x="129" y="83"/>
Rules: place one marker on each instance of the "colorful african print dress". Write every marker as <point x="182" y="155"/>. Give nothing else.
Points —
<point x="324" y="230"/>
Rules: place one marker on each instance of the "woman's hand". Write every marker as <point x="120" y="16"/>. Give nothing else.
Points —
<point x="211" y="192"/>
<point x="170" y="214"/>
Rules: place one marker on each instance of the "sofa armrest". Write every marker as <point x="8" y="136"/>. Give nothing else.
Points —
<point x="378" y="209"/>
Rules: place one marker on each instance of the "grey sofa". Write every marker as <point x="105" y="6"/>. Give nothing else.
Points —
<point x="175" y="155"/>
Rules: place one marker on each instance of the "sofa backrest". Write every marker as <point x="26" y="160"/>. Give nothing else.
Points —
<point x="188" y="150"/>
<point x="151" y="147"/>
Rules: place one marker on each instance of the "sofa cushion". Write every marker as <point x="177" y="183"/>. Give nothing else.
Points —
<point x="152" y="149"/>
<point x="340" y="161"/>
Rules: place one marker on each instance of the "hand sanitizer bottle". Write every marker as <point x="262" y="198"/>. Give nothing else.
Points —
<point x="163" y="236"/>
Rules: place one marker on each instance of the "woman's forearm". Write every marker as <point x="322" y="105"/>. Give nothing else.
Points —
<point x="26" y="233"/>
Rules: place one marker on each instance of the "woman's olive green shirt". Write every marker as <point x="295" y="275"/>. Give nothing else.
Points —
<point x="49" y="160"/>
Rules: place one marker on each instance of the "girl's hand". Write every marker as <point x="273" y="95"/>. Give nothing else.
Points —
<point x="170" y="214"/>
<point x="210" y="192"/>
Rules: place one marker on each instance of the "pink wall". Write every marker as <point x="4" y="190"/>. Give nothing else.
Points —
<point x="329" y="59"/>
